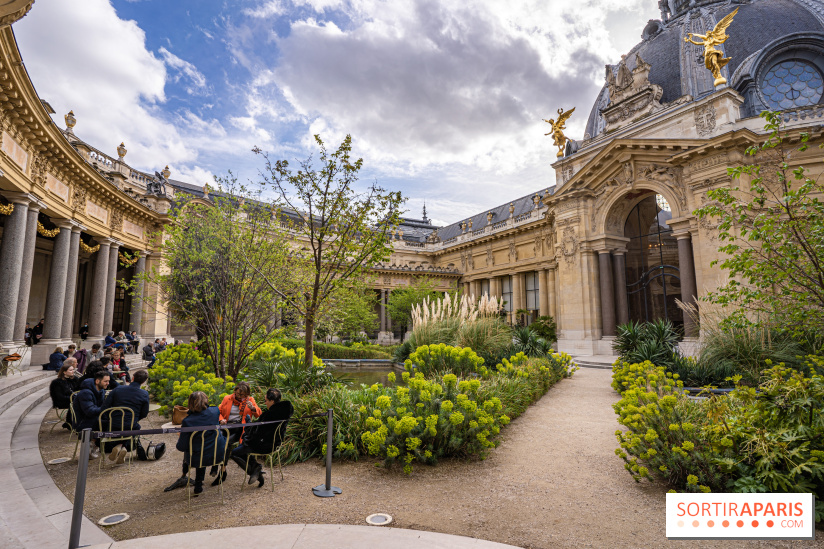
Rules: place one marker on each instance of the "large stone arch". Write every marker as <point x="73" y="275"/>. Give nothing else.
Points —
<point x="623" y="198"/>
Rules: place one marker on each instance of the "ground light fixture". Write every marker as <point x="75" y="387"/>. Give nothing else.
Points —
<point x="111" y="520"/>
<point x="378" y="519"/>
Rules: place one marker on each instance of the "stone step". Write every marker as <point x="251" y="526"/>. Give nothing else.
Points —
<point x="23" y="392"/>
<point x="41" y="490"/>
<point x="13" y="381"/>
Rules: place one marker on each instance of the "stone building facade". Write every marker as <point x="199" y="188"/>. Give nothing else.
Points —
<point x="611" y="238"/>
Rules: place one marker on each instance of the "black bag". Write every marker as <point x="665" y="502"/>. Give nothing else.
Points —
<point x="153" y="452"/>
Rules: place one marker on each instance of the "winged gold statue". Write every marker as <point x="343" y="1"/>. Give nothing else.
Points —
<point x="714" y="59"/>
<point x="557" y="132"/>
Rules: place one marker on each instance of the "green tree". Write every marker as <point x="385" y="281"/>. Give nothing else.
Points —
<point x="343" y="231"/>
<point x="207" y="274"/>
<point x="772" y="229"/>
<point x="401" y="302"/>
<point x="350" y="311"/>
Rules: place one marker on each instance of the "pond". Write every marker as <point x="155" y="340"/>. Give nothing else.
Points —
<point x="368" y="376"/>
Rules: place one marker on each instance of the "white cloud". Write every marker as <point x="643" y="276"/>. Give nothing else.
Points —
<point x="267" y="9"/>
<point x="185" y="69"/>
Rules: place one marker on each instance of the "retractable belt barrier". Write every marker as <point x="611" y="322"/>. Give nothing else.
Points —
<point x="112" y="434"/>
<point x="325" y="490"/>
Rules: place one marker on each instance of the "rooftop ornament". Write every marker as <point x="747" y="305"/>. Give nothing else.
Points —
<point x="121" y="151"/>
<point x="70" y="121"/>
<point x="557" y="131"/>
<point x="714" y="59"/>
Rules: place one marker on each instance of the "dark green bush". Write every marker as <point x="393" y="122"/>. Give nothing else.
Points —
<point x="333" y="351"/>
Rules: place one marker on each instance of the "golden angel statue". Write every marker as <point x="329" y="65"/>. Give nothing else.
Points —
<point x="557" y="133"/>
<point x="714" y="59"/>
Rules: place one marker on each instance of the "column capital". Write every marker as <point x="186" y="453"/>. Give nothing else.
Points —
<point x="681" y="235"/>
<point x="619" y="251"/>
<point x="63" y="224"/>
<point x="26" y="199"/>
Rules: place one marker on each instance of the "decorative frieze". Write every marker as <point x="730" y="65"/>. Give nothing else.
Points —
<point x="569" y="244"/>
<point x="117" y="220"/>
<point x="708" y="162"/>
<point x="705" y="120"/>
<point x="57" y="187"/>
<point x="133" y="229"/>
<point x="513" y="250"/>
<point x="98" y="212"/>
<point x="14" y="151"/>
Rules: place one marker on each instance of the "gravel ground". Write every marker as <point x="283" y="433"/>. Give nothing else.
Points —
<point x="553" y="482"/>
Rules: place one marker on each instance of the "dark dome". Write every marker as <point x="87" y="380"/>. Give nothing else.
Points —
<point x="678" y="67"/>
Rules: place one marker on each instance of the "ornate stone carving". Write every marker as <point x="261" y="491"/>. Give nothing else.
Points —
<point x="470" y="260"/>
<point x="116" y="220"/>
<point x="538" y="248"/>
<point x="569" y="245"/>
<point x="39" y="169"/>
<point x="490" y="257"/>
<point x="513" y="251"/>
<point x="14" y="10"/>
<point x="567" y="172"/>
<point x="708" y="162"/>
<point x="709" y="224"/>
<point x="666" y="177"/>
<point x="705" y="120"/>
<point x="613" y="223"/>
<point x="567" y="205"/>
<point x="602" y="197"/>
<point x="630" y="94"/>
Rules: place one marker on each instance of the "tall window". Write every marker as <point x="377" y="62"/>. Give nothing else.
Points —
<point x="485" y="288"/>
<point x="532" y="291"/>
<point x="506" y="292"/>
<point x="653" y="282"/>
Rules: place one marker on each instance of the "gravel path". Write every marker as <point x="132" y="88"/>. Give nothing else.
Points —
<point x="553" y="482"/>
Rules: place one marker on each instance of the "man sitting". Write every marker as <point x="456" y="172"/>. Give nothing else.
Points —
<point x="149" y="354"/>
<point x="134" y="341"/>
<point x="130" y="396"/>
<point x="88" y="403"/>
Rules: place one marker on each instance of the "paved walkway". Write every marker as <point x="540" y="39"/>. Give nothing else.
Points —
<point x="307" y="536"/>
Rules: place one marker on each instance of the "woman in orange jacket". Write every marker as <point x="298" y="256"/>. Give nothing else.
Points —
<point x="236" y="408"/>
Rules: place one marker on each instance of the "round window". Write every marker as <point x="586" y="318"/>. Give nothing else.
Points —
<point x="792" y="83"/>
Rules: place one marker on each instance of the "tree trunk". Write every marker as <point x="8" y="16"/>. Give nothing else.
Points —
<point x="308" y="345"/>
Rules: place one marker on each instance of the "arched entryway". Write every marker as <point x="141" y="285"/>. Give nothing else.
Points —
<point x="653" y="281"/>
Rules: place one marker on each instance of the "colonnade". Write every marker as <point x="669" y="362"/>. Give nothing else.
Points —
<point x="17" y="253"/>
<point x="547" y="290"/>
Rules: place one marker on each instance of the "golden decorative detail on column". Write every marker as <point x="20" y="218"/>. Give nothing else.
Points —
<point x="89" y="249"/>
<point x="714" y="59"/>
<point x="7" y="209"/>
<point x="45" y="232"/>
<point x="557" y="132"/>
<point x="126" y="261"/>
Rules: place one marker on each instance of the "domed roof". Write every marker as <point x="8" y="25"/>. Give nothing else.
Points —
<point x="678" y="67"/>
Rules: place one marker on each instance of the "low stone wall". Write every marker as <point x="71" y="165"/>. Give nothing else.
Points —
<point x="363" y="364"/>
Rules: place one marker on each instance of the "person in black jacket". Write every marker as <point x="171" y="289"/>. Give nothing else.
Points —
<point x="61" y="389"/>
<point x="127" y="396"/>
<point x="88" y="403"/>
<point x="200" y="414"/>
<point x="260" y="439"/>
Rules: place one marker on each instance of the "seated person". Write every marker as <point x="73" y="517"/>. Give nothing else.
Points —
<point x="88" y="403"/>
<point x="260" y="439"/>
<point x="149" y="354"/>
<point x="61" y="389"/>
<point x="70" y="351"/>
<point x="121" y="342"/>
<point x="236" y="408"/>
<point x="97" y="352"/>
<point x="97" y="366"/>
<point x="109" y="340"/>
<point x="119" y="369"/>
<point x="200" y="413"/>
<point x="127" y="396"/>
<point x="55" y="360"/>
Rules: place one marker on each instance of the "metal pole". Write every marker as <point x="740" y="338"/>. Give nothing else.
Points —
<point x="80" y="489"/>
<point x="327" y="490"/>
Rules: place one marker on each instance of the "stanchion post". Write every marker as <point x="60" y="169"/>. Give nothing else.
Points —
<point x="327" y="490"/>
<point x="80" y="488"/>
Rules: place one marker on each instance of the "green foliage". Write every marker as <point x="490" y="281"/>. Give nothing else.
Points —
<point x="546" y="328"/>
<point x="772" y="228"/>
<point x="402" y="352"/>
<point x="182" y="370"/>
<point x="770" y="440"/>
<point x="350" y="310"/>
<point x="275" y="366"/>
<point x="527" y="341"/>
<point x="345" y="230"/>
<point x="401" y="302"/>
<point x="489" y="337"/>
<point x="438" y="360"/>
<point x="333" y="351"/>
<point x="656" y="341"/>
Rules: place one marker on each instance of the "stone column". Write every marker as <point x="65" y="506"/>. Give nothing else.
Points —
<point x="475" y="289"/>
<point x="111" y="285"/>
<point x="495" y="287"/>
<point x="553" y="295"/>
<point x="517" y="291"/>
<point x="56" y="296"/>
<point x="71" y="284"/>
<point x="388" y="316"/>
<point x="607" y="293"/>
<point x="689" y="290"/>
<point x="97" y="308"/>
<point x="136" y="316"/>
<point x="619" y="267"/>
<point x="11" y="255"/>
<point x="383" y="311"/>
<point x="26" y="267"/>
<point x="543" y="292"/>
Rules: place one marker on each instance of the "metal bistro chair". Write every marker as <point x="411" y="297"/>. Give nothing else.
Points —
<point x="269" y="457"/>
<point x="217" y="458"/>
<point x="73" y="421"/>
<point x="125" y="425"/>
<point x="61" y="414"/>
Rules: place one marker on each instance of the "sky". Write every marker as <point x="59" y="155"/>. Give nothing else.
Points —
<point x="444" y="100"/>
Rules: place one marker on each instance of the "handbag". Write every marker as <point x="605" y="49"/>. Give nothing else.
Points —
<point x="179" y="413"/>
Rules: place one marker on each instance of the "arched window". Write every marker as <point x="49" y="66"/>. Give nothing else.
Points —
<point x="653" y="282"/>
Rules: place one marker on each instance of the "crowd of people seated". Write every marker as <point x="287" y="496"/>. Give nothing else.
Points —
<point x="95" y="389"/>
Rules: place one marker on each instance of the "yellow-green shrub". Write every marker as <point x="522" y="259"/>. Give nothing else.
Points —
<point x="181" y="370"/>
<point x="440" y="359"/>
